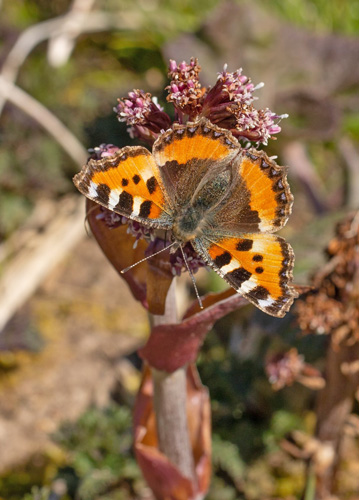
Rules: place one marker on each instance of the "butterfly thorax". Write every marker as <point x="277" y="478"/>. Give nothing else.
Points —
<point x="194" y="217"/>
<point x="188" y="224"/>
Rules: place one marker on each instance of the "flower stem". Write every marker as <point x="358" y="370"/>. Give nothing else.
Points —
<point x="170" y="403"/>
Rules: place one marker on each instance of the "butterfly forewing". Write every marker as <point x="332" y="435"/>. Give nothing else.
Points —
<point x="270" y="193"/>
<point x="188" y="153"/>
<point x="258" y="266"/>
<point x="127" y="183"/>
<point x="260" y="199"/>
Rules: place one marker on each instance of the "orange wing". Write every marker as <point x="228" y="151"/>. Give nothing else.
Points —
<point x="258" y="266"/>
<point x="127" y="183"/>
<point x="260" y="199"/>
<point x="188" y="155"/>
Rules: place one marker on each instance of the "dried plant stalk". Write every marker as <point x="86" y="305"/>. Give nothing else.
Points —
<point x="334" y="404"/>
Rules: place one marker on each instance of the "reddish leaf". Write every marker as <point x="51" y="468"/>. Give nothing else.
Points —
<point x="163" y="477"/>
<point x="117" y="245"/>
<point x="171" y="346"/>
<point x="148" y="281"/>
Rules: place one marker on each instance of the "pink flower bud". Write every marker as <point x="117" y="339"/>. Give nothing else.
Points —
<point x="172" y="65"/>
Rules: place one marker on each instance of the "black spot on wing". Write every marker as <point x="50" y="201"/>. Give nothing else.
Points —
<point x="257" y="258"/>
<point x="223" y="259"/>
<point x="136" y="179"/>
<point x="124" y="182"/>
<point x="238" y="276"/>
<point x="103" y="193"/>
<point x="244" y="245"/>
<point x="145" y="209"/>
<point x="125" y="202"/>
<point x="151" y="184"/>
<point x="259" y="293"/>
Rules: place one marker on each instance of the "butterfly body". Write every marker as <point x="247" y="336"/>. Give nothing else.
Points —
<point x="193" y="219"/>
<point x="203" y="187"/>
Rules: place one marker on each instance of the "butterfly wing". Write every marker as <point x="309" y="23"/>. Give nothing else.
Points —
<point x="259" y="200"/>
<point x="258" y="266"/>
<point x="187" y="155"/>
<point x="127" y="183"/>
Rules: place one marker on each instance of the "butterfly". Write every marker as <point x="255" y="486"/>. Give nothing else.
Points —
<point x="202" y="186"/>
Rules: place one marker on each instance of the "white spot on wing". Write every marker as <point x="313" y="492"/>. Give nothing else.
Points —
<point x="146" y="173"/>
<point x="137" y="200"/>
<point x="228" y="268"/>
<point x="266" y="302"/>
<point x="114" y="197"/>
<point x="265" y="226"/>
<point x="92" y="192"/>
<point x="248" y="285"/>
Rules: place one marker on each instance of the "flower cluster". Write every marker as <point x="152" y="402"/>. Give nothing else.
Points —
<point x="228" y="104"/>
<point x="192" y="259"/>
<point x="144" y="115"/>
<point x="185" y="90"/>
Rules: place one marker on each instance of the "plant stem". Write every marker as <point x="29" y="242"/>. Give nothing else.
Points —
<point x="170" y="403"/>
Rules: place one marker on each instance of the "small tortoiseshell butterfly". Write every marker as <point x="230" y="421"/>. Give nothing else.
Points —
<point x="200" y="184"/>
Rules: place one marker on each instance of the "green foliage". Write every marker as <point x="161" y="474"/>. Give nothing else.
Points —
<point x="341" y="16"/>
<point x="38" y="494"/>
<point x="100" y="455"/>
<point x="351" y="125"/>
<point x="227" y="464"/>
<point x="249" y="419"/>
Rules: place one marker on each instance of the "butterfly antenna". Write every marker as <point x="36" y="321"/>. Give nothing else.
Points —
<point x="192" y="278"/>
<point x="146" y="258"/>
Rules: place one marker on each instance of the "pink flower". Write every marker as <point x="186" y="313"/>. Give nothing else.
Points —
<point x="142" y="112"/>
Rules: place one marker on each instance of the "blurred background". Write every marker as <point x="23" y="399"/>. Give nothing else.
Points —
<point x="69" y="326"/>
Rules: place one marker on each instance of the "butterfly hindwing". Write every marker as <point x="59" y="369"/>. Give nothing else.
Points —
<point x="127" y="183"/>
<point x="258" y="266"/>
